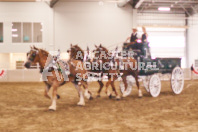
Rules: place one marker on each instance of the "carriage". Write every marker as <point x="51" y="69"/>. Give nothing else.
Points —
<point x="155" y="70"/>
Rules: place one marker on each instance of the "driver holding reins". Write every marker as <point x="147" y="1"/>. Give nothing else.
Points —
<point x="133" y="39"/>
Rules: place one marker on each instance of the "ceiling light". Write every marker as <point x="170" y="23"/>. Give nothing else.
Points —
<point x="14" y="30"/>
<point x="164" y="9"/>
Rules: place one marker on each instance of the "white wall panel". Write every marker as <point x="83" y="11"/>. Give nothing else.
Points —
<point x="4" y="60"/>
<point x="192" y="40"/>
<point x="31" y="75"/>
<point x="88" y="23"/>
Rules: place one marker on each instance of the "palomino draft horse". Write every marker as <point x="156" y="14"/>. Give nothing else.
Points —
<point x="58" y="77"/>
<point x="130" y="67"/>
<point x="74" y="54"/>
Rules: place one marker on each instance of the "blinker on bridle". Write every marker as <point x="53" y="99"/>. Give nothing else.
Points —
<point x="33" y="56"/>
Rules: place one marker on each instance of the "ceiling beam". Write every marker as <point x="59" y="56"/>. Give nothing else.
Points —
<point x="162" y="26"/>
<point x="195" y="11"/>
<point x="122" y="3"/>
<point x="175" y="7"/>
<point x="167" y="4"/>
<point x="53" y="2"/>
<point x="171" y="1"/>
<point x="142" y="9"/>
<point x="139" y="4"/>
<point x="187" y="12"/>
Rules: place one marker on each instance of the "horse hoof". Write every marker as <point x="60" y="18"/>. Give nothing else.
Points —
<point x="110" y="96"/>
<point x="58" y="96"/>
<point x="124" y="95"/>
<point x="91" y="98"/>
<point x="51" y="110"/>
<point x="118" y="99"/>
<point x="98" y="96"/>
<point x="81" y="104"/>
<point x="140" y="96"/>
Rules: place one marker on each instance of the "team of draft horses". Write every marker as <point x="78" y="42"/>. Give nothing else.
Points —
<point x="56" y="72"/>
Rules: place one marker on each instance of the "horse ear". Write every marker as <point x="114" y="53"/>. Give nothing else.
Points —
<point x="71" y="44"/>
<point x="100" y="45"/>
<point x="96" y="46"/>
<point x="35" y="48"/>
<point x="87" y="48"/>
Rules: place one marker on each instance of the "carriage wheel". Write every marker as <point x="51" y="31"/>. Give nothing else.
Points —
<point x="129" y="88"/>
<point x="154" y="85"/>
<point x="177" y="80"/>
<point x="146" y="83"/>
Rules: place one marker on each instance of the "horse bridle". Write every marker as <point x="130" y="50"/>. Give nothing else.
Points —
<point x="33" y="56"/>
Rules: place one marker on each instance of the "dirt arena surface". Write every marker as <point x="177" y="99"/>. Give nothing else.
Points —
<point x="24" y="108"/>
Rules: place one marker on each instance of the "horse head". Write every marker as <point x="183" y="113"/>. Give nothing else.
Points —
<point x="100" y="53"/>
<point x="35" y="55"/>
<point x="76" y="52"/>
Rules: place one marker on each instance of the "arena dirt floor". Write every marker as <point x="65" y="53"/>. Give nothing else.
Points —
<point x="24" y="108"/>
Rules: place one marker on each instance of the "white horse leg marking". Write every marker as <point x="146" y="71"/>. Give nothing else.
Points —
<point x="54" y="97"/>
<point x="140" y="93"/>
<point x="82" y="101"/>
<point x="124" y="94"/>
<point x="53" y="106"/>
<point x="118" y="97"/>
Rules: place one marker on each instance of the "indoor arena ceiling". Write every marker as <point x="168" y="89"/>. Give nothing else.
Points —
<point x="176" y="6"/>
<point x="187" y="6"/>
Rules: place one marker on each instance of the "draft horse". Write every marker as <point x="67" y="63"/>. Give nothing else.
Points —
<point x="130" y="67"/>
<point x="55" y="78"/>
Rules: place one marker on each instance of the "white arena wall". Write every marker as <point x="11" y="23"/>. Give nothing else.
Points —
<point x="88" y="23"/>
<point x="21" y="75"/>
